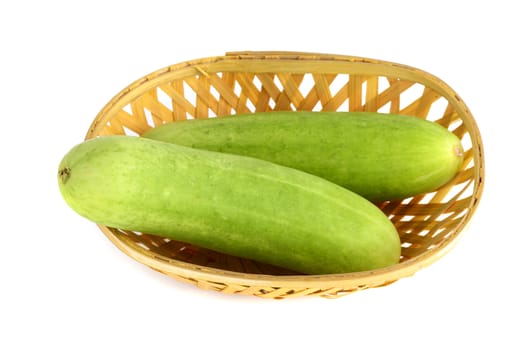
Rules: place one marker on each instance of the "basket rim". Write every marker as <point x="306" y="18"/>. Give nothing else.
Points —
<point x="204" y="66"/>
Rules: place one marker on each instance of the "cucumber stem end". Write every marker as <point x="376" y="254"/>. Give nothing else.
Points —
<point x="64" y="174"/>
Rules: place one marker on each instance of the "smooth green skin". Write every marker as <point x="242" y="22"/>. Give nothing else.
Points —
<point x="233" y="204"/>
<point x="379" y="156"/>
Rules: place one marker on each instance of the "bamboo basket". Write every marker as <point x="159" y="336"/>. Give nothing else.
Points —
<point x="241" y="82"/>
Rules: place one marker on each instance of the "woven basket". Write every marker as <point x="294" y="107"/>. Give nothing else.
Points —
<point x="241" y="82"/>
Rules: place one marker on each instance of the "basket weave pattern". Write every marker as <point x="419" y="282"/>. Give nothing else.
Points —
<point x="244" y="82"/>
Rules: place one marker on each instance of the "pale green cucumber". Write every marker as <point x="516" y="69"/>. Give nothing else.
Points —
<point x="232" y="204"/>
<point x="379" y="156"/>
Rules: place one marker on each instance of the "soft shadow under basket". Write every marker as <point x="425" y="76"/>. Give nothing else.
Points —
<point x="242" y="82"/>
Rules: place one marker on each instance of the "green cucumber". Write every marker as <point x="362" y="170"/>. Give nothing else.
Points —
<point x="379" y="156"/>
<point x="233" y="204"/>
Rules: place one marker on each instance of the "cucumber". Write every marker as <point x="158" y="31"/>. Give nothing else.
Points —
<point x="233" y="204"/>
<point x="379" y="156"/>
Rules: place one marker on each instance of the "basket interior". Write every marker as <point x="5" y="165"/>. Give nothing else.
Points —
<point x="424" y="222"/>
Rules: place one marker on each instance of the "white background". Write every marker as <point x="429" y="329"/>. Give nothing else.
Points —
<point x="65" y="286"/>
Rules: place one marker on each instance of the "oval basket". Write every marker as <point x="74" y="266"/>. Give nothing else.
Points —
<point x="242" y="82"/>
